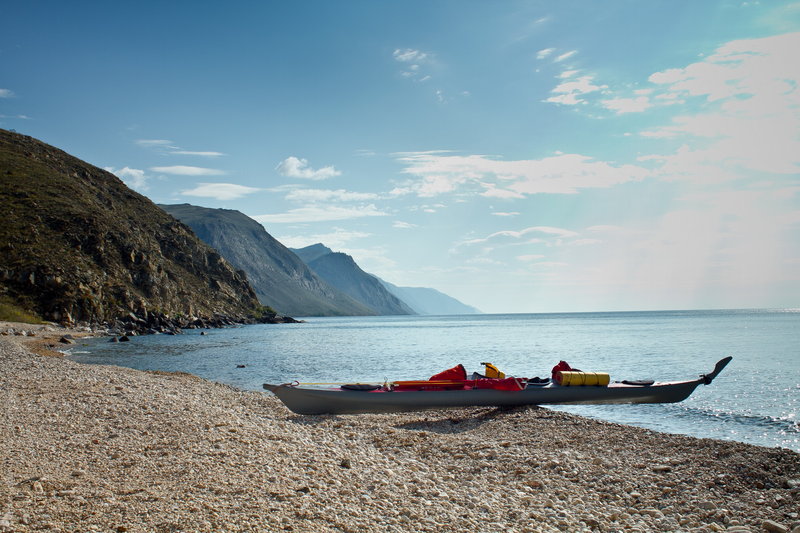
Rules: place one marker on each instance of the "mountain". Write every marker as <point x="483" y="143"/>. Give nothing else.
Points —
<point x="76" y="244"/>
<point x="342" y="272"/>
<point x="280" y="278"/>
<point x="425" y="301"/>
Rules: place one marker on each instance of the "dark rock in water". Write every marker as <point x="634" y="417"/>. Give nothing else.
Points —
<point x="124" y="338"/>
<point x="113" y="339"/>
<point x="65" y="340"/>
<point x="202" y="333"/>
<point x="241" y="366"/>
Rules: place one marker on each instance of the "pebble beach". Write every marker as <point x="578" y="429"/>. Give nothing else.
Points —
<point x="100" y="448"/>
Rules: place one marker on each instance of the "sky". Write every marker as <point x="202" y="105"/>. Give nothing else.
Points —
<point x="520" y="156"/>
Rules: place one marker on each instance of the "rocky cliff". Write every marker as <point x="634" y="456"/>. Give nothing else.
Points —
<point x="77" y="245"/>
<point x="280" y="278"/>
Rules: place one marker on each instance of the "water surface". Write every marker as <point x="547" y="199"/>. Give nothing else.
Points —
<point x="754" y="400"/>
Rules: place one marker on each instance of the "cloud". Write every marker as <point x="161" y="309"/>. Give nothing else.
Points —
<point x="505" y="214"/>
<point x="745" y="99"/>
<point x="6" y="93"/>
<point x="527" y="258"/>
<point x="336" y="239"/>
<point x="155" y="143"/>
<point x="409" y="55"/>
<point x="220" y="191"/>
<point x="320" y="214"/>
<point x="413" y="62"/>
<point x="201" y="154"/>
<point x="183" y="170"/>
<point x="168" y="147"/>
<point x="544" y="53"/>
<point x="628" y="105"/>
<point x="509" y="235"/>
<point x="322" y="195"/>
<point x="571" y="92"/>
<point x="294" y="167"/>
<point x="403" y="225"/>
<point x="132" y="177"/>
<point x="565" y="56"/>
<point x="438" y="174"/>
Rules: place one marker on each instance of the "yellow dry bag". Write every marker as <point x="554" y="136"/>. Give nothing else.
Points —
<point x="582" y="378"/>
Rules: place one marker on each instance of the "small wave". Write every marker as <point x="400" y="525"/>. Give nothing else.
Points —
<point x="785" y="424"/>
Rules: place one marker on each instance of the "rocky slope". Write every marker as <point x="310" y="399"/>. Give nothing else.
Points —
<point x="280" y="278"/>
<point x="341" y="271"/>
<point x="77" y="245"/>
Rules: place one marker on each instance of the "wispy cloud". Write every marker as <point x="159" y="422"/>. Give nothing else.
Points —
<point x="438" y="174"/>
<point x="294" y="167"/>
<point x="544" y="53"/>
<point x="220" y="191"/>
<point x="134" y="178"/>
<point x="414" y="63"/>
<point x="516" y="235"/>
<point x="628" y="105"/>
<point x="565" y="56"/>
<point x="572" y="91"/>
<point x="170" y="148"/>
<point x="183" y="170"/>
<point x="320" y="214"/>
<point x="336" y="239"/>
<point x="200" y="154"/>
<point x="740" y="111"/>
<point x="399" y="224"/>
<point x="324" y="195"/>
<point x="527" y="258"/>
<point x="156" y="143"/>
<point x="409" y="55"/>
<point x="6" y="93"/>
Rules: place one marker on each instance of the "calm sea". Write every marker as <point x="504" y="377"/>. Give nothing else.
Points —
<point x="755" y="400"/>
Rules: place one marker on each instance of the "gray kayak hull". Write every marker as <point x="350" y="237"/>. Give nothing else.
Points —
<point x="315" y="401"/>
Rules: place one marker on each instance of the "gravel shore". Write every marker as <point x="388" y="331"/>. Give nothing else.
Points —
<point x="96" y="448"/>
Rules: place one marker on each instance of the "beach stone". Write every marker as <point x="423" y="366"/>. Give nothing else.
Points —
<point x="774" y="527"/>
<point x="155" y="452"/>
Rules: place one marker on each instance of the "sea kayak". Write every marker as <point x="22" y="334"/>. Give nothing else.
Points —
<point x="306" y="400"/>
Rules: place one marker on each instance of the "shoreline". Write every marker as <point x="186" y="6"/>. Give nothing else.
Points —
<point x="114" y="449"/>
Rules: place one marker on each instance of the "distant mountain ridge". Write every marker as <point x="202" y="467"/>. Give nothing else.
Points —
<point x="76" y="244"/>
<point x="341" y="271"/>
<point x="426" y="301"/>
<point x="280" y="278"/>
